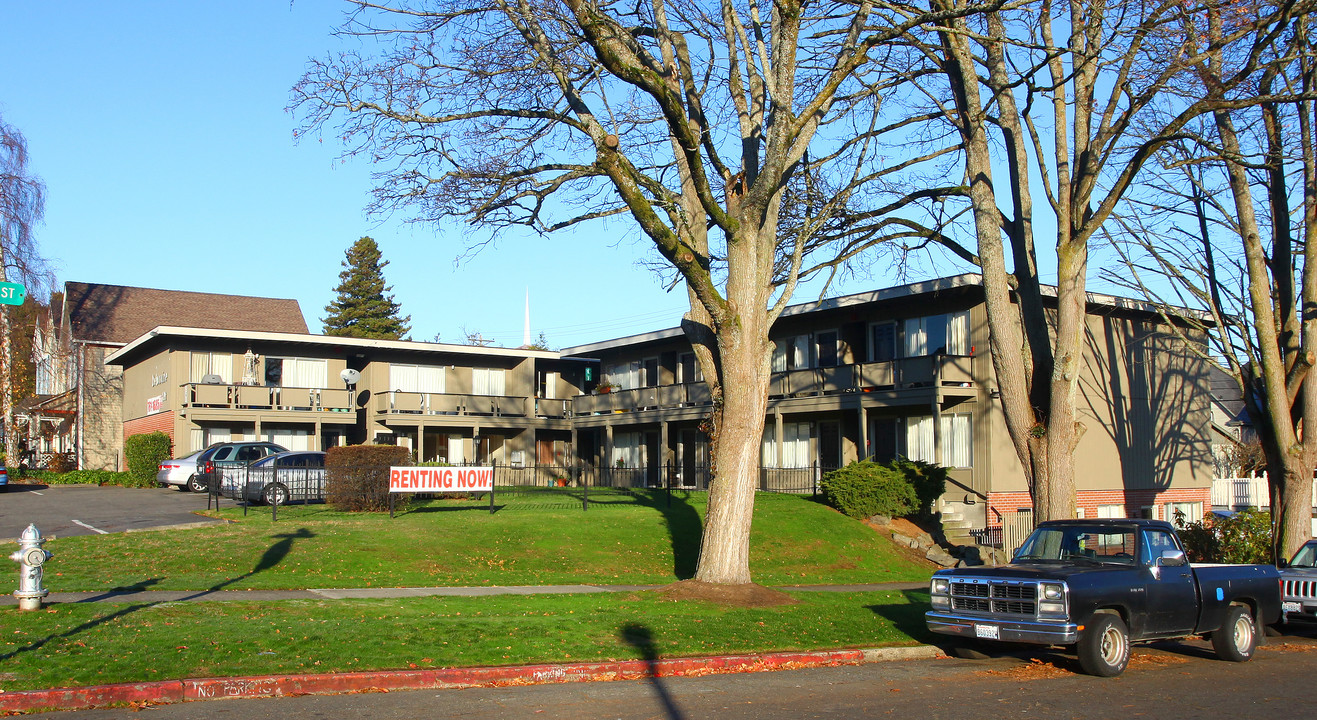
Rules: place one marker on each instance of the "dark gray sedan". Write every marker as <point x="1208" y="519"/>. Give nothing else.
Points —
<point x="292" y="476"/>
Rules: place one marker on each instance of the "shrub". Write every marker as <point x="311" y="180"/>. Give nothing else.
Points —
<point x="145" y="452"/>
<point x="866" y="488"/>
<point x="1244" y="537"/>
<point x="60" y="463"/>
<point x="357" y="477"/>
<point x="928" y="480"/>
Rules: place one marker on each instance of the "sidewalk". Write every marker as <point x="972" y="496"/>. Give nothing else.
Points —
<point x="154" y="596"/>
<point x="186" y="690"/>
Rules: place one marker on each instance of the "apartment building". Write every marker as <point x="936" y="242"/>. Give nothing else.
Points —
<point x="907" y="371"/>
<point x="446" y="403"/>
<point x="898" y="372"/>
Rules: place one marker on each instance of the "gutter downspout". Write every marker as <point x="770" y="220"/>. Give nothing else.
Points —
<point x="80" y="349"/>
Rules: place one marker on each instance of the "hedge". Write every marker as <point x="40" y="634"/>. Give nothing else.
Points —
<point x="357" y="477"/>
<point x="145" y="452"/>
<point x="94" y="477"/>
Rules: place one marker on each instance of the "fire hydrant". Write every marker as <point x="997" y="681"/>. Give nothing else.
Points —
<point x="30" y="557"/>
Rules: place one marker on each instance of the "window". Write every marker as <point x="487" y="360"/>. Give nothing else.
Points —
<point x="548" y="385"/>
<point x="957" y="440"/>
<point x="295" y="372"/>
<point x="882" y="342"/>
<point x="208" y="363"/>
<point x="1184" y="512"/>
<point x="416" y="378"/>
<point x="688" y="371"/>
<point x="650" y="376"/>
<point x="628" y="450"/>
<point x="1156" y="542"/>
<point x="1111" y="511"/>
<point x="937" y="335"/>
<point x="791" y="353"/>
<point x="919" y="439"/>
<point x="487" y="381"/>
<point x="627" y="376"/>
<point x="827" y="346"/>
<point x="795" y="446"/>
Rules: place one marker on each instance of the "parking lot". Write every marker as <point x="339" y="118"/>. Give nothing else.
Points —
<point x="65" y="510"/>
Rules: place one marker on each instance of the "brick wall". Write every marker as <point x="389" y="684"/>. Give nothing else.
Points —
<point x="1004" y="504"/>
<point x="160" y="422"/>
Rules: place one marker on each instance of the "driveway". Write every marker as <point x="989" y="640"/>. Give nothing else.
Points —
<point x="65" y="510"/>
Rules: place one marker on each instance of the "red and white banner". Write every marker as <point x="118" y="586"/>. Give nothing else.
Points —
<point x="441" y="479"/>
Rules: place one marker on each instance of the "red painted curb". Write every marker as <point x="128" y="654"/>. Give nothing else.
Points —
<point x="431" y="679"/>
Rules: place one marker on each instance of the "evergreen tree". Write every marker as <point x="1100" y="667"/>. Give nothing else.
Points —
<point x="362" y="309"/>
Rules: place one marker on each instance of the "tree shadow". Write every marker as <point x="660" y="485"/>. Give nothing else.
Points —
<point x="642" y="639"/>
<point x="908" y="618"/>
<point x="269" y="559"/>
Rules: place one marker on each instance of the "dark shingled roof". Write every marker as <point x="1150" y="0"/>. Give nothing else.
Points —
<point x="119" y="314"/>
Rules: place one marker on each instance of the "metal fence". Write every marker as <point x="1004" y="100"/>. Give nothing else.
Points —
<point x="271" y="488"/>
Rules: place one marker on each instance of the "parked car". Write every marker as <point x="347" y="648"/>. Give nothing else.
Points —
<point x="4" y="478"/>
<point x="1299" y="585"/>
<point x="293" y="476"/>
<point x="215" y="460"/>
<point x="1099" y="585"/>
<point x="181" y="473"/>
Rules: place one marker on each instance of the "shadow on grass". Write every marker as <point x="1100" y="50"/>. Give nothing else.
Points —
<point x="642" y="639"/>
<point x="908" y="618"/>
<point x="272" y="556"/>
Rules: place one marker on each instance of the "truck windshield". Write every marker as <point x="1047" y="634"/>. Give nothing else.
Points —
<point x="1079" y="543"/>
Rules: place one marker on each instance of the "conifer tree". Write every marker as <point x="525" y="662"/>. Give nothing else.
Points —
<point x="362" y="309"/>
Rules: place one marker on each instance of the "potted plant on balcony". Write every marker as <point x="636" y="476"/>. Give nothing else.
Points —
<point x="605" y="387"/>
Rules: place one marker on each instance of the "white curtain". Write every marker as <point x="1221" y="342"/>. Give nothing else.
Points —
<point x="919" y="438"/>
<point x="456" y="452"/>
<point x="779" y="356"/>
<point x="220" y="364"/>
<point x="289" y="438"/>
<point x="916" y="340"/>
<point x="958" y="333"/>
<point x="629" y="448"/>
<point x="957" y="441"/>
<point x="800" y="352"/>
<point x="795" y="446"/>
<point x="305" y="373"/>
<point x="416" y="378"/>
<point x="627" y="376"/>
<point x="487" y="381"/>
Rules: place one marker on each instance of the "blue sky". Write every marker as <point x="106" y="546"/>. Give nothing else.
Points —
<point x="161" y="133"/>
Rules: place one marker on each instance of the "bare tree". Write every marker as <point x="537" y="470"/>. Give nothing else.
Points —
<point x="1231" y="228"/>
<point x="751" y="144"/>
<point x="1079" y="95"/>
<point x="22" y="206"/>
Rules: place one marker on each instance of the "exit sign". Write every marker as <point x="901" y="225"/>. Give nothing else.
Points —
<point x="12" y="293"/>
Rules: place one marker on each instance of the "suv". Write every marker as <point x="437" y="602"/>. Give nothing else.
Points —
<point x="214" y="459"/>
<point x="1299" y="585"/>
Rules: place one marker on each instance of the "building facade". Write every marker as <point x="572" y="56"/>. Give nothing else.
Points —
<point x="88" y="322"/>
<point x="899" y="372"/>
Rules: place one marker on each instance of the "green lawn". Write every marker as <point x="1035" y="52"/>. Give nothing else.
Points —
<point x="532" y="539"/>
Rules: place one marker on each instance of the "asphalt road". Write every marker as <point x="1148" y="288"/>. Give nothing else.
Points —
<point x="64" y="510"/>
<point x="1168" y="681"/>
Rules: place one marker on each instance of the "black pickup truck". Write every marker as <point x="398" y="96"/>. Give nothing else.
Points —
<point x="1099" y="585"/>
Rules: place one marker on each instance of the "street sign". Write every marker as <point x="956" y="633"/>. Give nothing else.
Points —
<point x="12" y="293"/>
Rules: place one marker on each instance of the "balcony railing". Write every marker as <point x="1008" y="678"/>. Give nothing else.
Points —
<point x="907" y="373"/>
<point x="259" y="397"/>
<point x="398" y="402"/>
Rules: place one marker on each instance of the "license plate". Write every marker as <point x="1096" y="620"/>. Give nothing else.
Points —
<point x="1291" y="607"/>
<point x="988" y="632"/>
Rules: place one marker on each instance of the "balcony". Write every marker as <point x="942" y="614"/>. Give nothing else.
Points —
<point x="400" y="403"/>
<point x="257" y="397"/>
<point x="907" y="374"/>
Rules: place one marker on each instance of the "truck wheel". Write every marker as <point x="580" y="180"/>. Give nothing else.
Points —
<point x="1238" y="637"/>
<point x="1104" y="648"/>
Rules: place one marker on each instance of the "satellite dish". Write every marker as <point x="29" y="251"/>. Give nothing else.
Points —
<point x="212" y="380"/>
<point x="350" y="376"/>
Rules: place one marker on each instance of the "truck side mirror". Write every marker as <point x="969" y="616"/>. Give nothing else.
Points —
<point x="1171" y="558"/>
